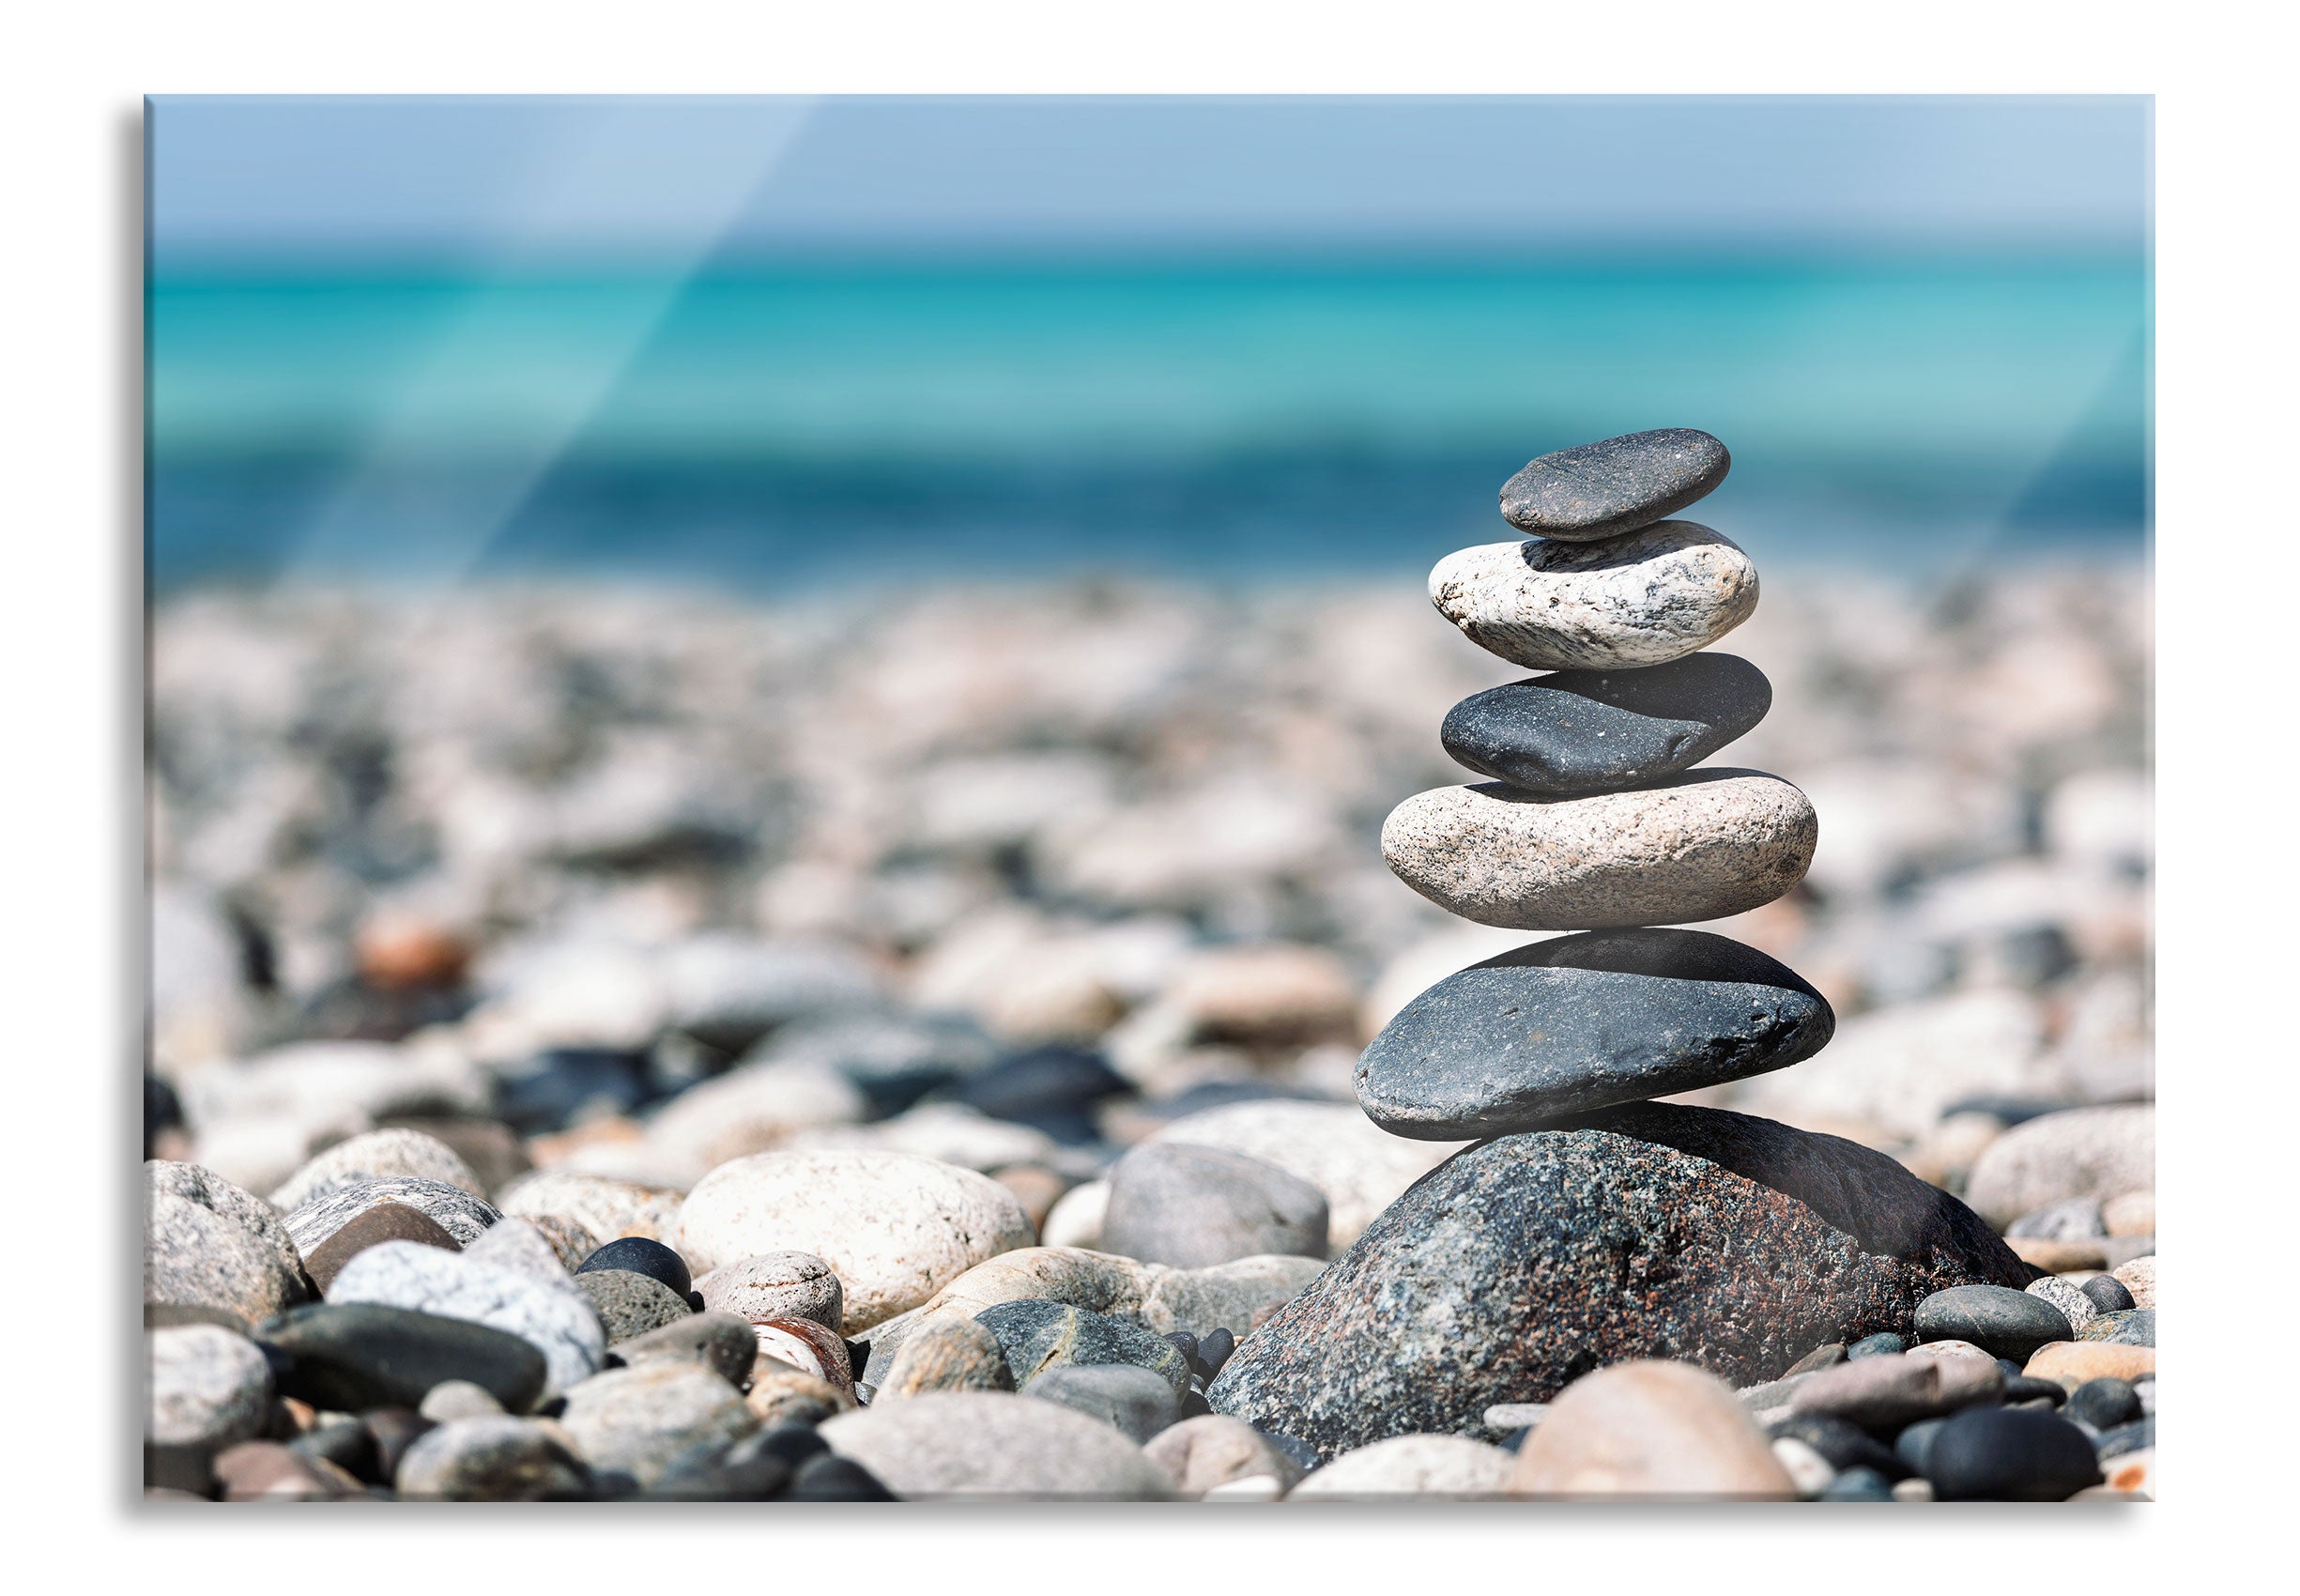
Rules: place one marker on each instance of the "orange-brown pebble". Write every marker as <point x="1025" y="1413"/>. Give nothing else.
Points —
<point x="399" y="951"/>
<point x="2073" y="1362"/>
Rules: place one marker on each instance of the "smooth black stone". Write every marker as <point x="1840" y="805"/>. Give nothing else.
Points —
<point x="829" y="1478"/>
<point x="2108" y="1294"/>
<point x="348" y="1443"/>
<point x="1884" y="1344"/>
<point x="639" y="1255"/>
<point x="1187" y="1344"/>
<point x="1915" y="1444"/>
<point x="1845" y="1444"/>
<point x="1615" y="486"/>
<point x="350" y="1356"/>
<point x="1215" y="1348"/>
<point x="1194" y="1406"/>
<point x="2104" y="1404"/>
<point x="2131" y="1326"/>
<point x="2000" y="1321"/>
<point x="858" y="1358"/>
<point x="2132" y="1438"/>
<point x="1857" y="1485"/>
<point x="1579" y="731"/>
<point x="1586" y="1021"/>
<point x="2009" y="1454"/>
<point x="561" y="1083"/>
<point x="1053" y="1089"/>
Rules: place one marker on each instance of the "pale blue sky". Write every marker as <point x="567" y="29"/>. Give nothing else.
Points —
<point x="459" y="176"/>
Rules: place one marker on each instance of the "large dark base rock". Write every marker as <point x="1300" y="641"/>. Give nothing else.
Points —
<point x="1647" y="1231"/>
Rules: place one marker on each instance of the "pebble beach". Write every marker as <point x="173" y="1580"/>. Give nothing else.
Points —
<point x="1118" y="1039"/>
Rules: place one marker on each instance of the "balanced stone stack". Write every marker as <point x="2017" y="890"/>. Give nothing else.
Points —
<point x="1594" y="821"/>
<point x="1595" y="1226"/>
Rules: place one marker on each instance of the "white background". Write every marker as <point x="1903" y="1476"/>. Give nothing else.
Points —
<point x="74" y="663"/>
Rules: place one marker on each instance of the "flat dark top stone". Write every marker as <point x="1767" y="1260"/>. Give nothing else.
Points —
<point x="1653" y="1231"/>
<point x="1603" y="489"/>
<point x="1581" y="1023"/>
<point x="1579" y="731"/>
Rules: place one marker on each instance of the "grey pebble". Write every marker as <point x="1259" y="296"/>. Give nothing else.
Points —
<point x="1191" y="1207"/>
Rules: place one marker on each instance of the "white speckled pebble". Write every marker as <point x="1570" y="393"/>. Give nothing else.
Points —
<point x="1696" y="847"/>
<point x="1645" y="598"/>
<point x="209" y="1387"/>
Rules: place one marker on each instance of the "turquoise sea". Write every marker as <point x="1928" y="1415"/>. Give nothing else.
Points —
<point x="773" y="425"/>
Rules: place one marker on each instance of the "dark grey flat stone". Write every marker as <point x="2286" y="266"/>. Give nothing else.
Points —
<point x="1580" y="731"/>
<point x="1603" y="489"/>
<point x="1581" y="1023"/>
<point x="2002" y="1322"/>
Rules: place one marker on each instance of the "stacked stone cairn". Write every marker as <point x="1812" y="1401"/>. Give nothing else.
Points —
<point x="1594" y="821"/>
<point x="1586" y="1225"/>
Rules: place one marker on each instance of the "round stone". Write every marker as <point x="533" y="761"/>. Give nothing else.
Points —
<point x="2089" y="1152"/>
<point x="1213" y="1450"/>
<point x="1411" y="1465"/>
<point x="2107" y="1294"/>
<point x="1577" y="731"/>
<point x="196" y="1256"/>
<point x="1193" y="1208"/>
<point x="1648" y="1428"/>
<point x="1653" y="1230"/>
<point x="636" y="1422"/>
<point x="775" y="1286"/>
<point x="630" y="1304"/>
<point x="949" y="1355"/>
<point x="1137" y="1402"/>
<point x="2104" y="1404"/>
<point x="994" y="1444"/>
<point x="897" y="1227"/>
<point x="385" y="1221"/>
<point x="2002" y="1322"/>
<point x="1037" y="1335"/>
<point x="209" y="1388"/>
<point x="377" y="1154"/>
<point x="2009" y="1454"/>
<point x="2077" y="1308"/>
<point x="1575" y="1023"/>
<point x="1698" y="846"/>
<point x="1616" y="485"/>
<point x="491" y="1459"/>
<point x="718" y="1341"/>
<point x="641" y="1255"/>
<point x="350" y="1358"/>
<point x="1646" y="598"/>
<point x="454" y="1209"/>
